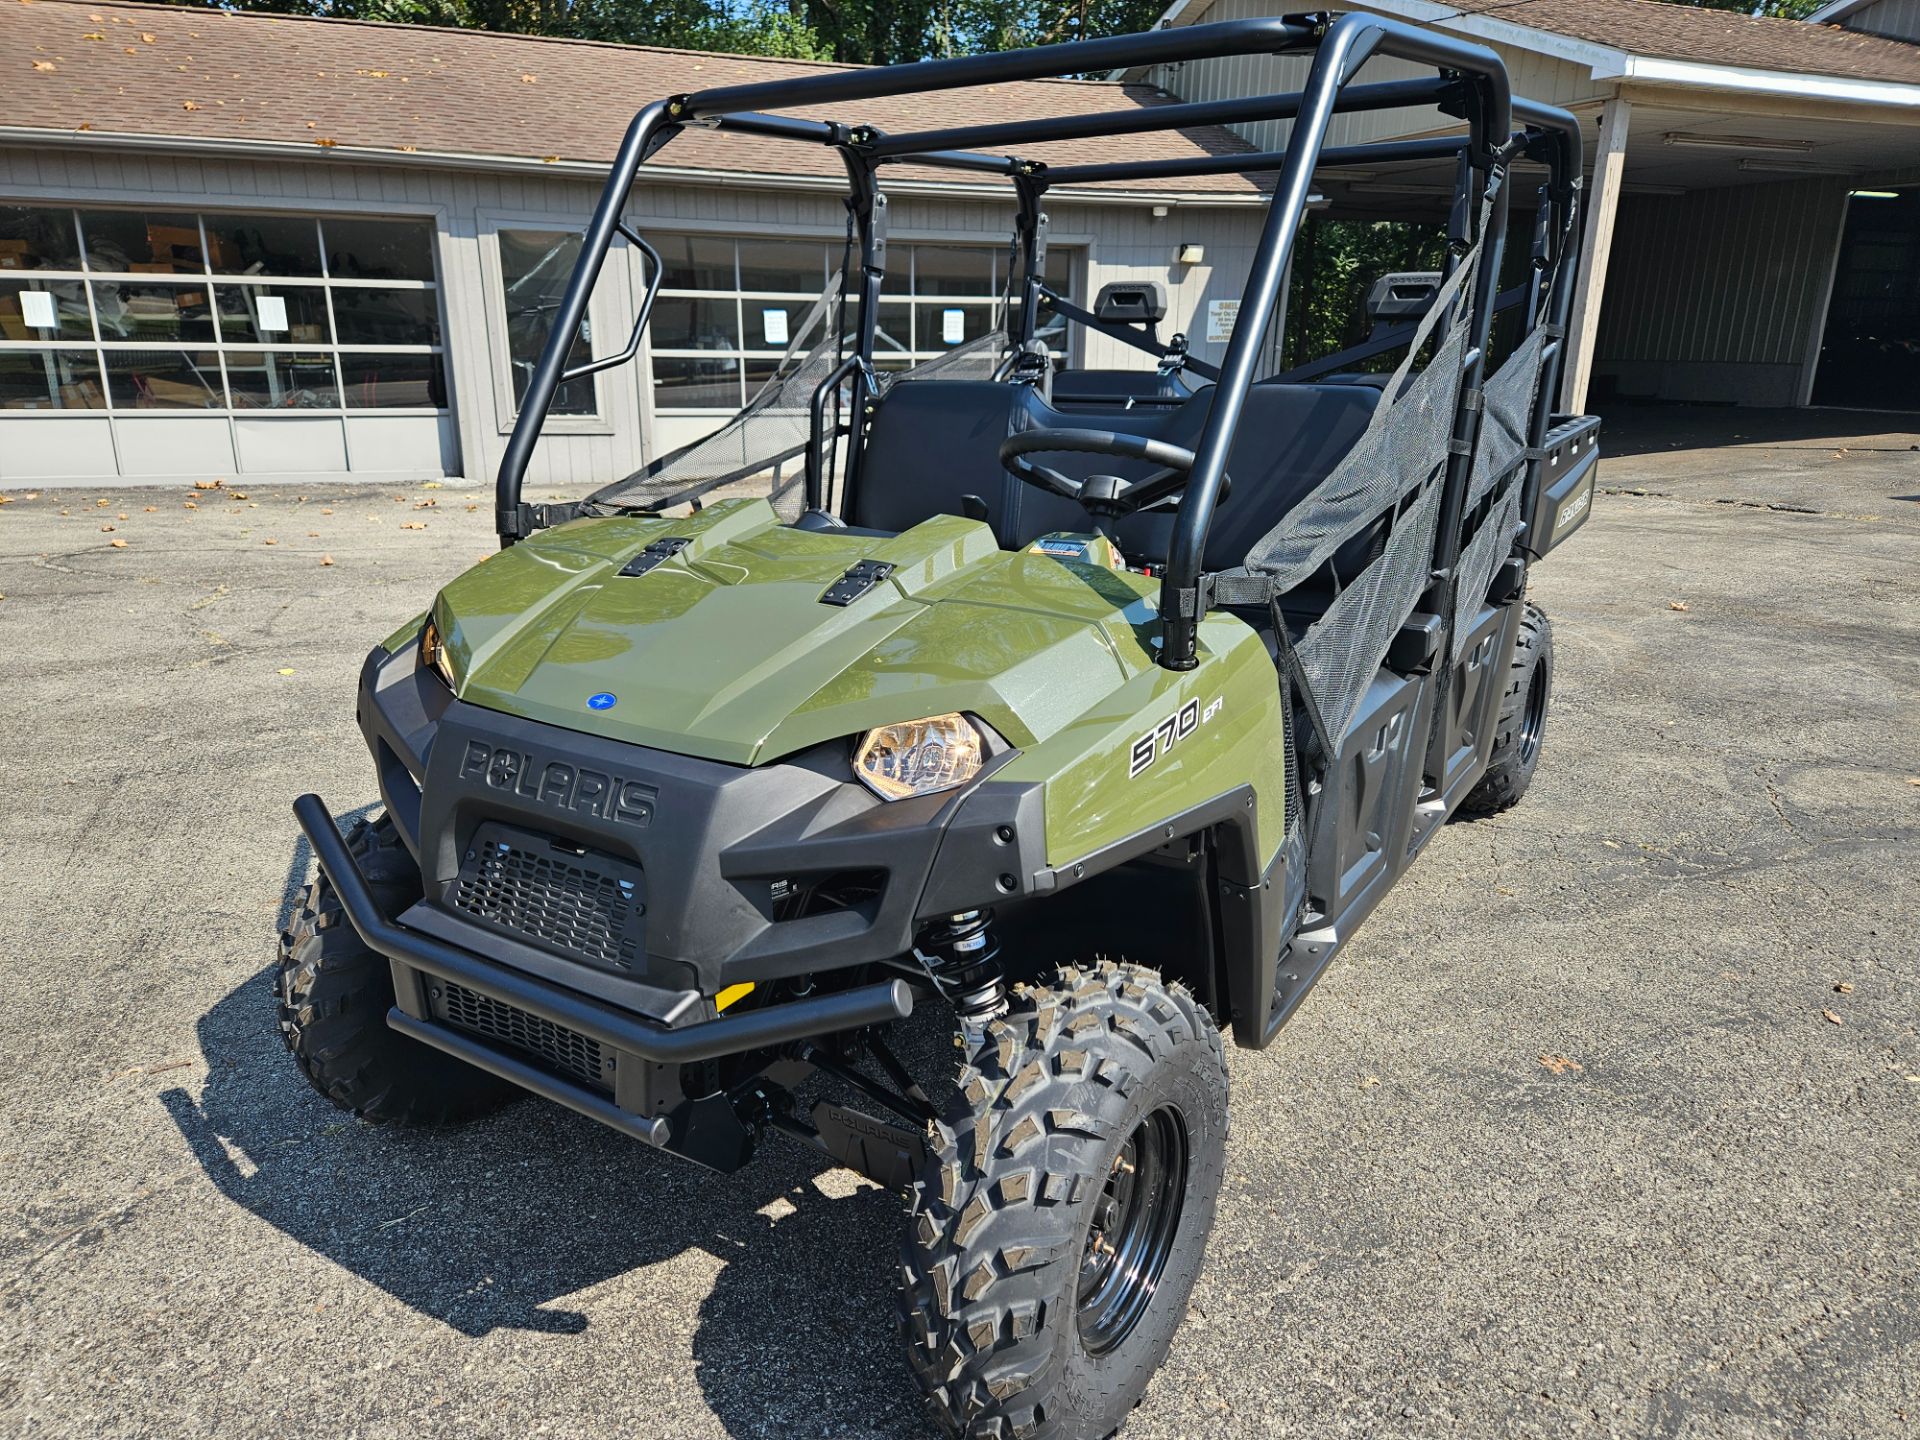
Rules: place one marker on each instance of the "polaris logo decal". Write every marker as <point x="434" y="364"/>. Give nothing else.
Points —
<point x="572" y="788"/>
<point x="1154" y="745"/>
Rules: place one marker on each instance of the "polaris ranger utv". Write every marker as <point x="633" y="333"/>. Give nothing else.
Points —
<point x="1095" y="708"/>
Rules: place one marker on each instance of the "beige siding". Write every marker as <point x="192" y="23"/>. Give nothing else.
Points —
<point x="1537" y="77"/>
<point x="1716" y="295"/>
<point x="1897" y="19"/>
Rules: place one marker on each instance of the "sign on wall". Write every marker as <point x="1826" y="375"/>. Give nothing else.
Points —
<point x="1221" y="315"/>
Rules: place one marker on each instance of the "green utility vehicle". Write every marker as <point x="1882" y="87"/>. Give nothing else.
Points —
<point x="1094" y="707"/>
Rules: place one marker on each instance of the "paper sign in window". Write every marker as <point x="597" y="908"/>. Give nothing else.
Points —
<point x="773" y="323"/>
<point x="953" y="326"/>
<point x="272" y="313"/>
<point x="36" y="308"/>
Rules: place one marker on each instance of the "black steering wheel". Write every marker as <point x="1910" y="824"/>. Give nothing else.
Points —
<point x="1105" y="497"/>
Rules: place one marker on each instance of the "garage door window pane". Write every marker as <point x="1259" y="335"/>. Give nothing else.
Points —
<point x="943" y="270"/>
<point x="50" y="380"/>
<point x="412" y="381"/>
<point x="689" y="384"/>
<point x="164" y="379"/>
<point x="264" y="245"/>
<point x="266" y="314"/>
<point x="32" y="238"/>
<point x="133" y="310"/>
<point x="143" y="243"/>
<point x="281" y="380"/>
<point x="386" y="317"/>
<point x="941" y="327"/>
<point x="44" y="310"/>
<point x="797" y="266"/>
<point x="695" y="262"/>
<point x="687" y="324"/>
<point x="535" y="266"/>
<point x="379" y="249"/>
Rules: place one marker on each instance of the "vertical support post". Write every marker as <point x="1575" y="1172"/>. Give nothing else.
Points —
<point x="651" y="129"/>
<point x="1603" y="205"/>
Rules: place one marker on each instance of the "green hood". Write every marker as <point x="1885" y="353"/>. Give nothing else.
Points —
<point x="726" y="650"/>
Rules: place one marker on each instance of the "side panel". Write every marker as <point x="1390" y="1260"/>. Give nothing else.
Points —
<point x="1162" y="743"/>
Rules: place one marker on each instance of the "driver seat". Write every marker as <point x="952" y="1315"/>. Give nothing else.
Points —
<point x="933" y="442"/>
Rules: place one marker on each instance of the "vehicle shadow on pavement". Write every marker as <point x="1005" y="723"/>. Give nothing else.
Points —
<point x="490" y="1226"/>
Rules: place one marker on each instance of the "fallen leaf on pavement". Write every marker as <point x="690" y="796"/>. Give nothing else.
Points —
<point x="1832" y="1019"/>
<point x="1843" y="988"/>
<point x="1369" y="1082"/>
<point x="269" y="541"/>
<point x="1561" y="1064"/>
<point x="326" y="559"/>
<point x="208" y="484"/>
<point x="413" y="525"/>
<point x="1676" y="605"/>
<point x="118" y="544"/>
<point x="106" y="527"/>
<point x="286" y="670"/>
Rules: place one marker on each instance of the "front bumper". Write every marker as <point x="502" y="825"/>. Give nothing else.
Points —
<point x="709" y="854"/>
<point x="668" y="1032"/>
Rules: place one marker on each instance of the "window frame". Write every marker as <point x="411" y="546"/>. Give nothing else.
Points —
<point x="601" y="320"/>
<point x="88" y="276"/>
<point x="903" y="243"/>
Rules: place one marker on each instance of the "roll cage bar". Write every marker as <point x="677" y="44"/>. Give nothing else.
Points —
<point x="1470" y="83"/>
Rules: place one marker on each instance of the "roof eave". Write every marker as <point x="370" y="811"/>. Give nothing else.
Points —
<point x="223" y="147"/>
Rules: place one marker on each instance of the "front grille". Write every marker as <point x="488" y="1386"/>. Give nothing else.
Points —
<point x="558" y="1048"/>
<point x="585" y="904"/>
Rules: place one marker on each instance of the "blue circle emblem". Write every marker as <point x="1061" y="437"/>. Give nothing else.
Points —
<point x="605" y="700"/>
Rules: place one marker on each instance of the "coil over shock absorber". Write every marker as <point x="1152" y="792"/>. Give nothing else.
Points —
<point x="962" y="958"/>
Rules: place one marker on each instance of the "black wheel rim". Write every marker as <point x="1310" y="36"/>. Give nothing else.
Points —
<point x="1533" y="722"/>
<point x="1135" y="1219"/>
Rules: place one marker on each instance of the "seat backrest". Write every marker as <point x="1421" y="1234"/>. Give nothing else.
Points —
<point x="931" y="442"/>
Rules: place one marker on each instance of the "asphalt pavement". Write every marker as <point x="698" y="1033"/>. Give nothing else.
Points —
<point x="1606" y="1124"/>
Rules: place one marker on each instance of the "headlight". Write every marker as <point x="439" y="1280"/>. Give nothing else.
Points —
<point x="433" y="652"/>
<point x="918" y="757"/>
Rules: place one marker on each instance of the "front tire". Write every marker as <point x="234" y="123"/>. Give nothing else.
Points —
<point x="334" y="992"/>
<point x="1521" y="728"/>
<point x="1058" y="1228"/>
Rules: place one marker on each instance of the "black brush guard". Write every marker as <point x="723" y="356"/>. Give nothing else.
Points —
<point x="655" y="1039"/>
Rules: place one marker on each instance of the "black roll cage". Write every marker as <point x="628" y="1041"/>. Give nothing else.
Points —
<point x="1470" y="83"/>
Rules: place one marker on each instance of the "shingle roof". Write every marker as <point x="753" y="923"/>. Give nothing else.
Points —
<point x="1668" y="31"/>
<point x="1713" y="37"/>
<point x="163" y="70"/>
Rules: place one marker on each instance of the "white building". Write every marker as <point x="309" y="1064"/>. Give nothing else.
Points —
<point x="1753" y="226"/>
<point x="286" y="248"/>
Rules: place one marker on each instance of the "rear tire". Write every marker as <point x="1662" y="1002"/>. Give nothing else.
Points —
<point x="334" y="993"/>
<point x="1058" y="1227"/>
<point x="1521" y="729"/>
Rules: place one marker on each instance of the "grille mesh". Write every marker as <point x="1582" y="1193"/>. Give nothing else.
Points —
<point x="559" y="1048"/>
<point x="564" y="900"/>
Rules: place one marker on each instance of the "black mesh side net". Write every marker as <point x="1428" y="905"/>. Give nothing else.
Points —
<point x="1493" y="489"/>
<point x="1389" y="484"/>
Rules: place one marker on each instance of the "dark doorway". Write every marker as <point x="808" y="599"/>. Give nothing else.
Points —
<point x="1870" y="353"/>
